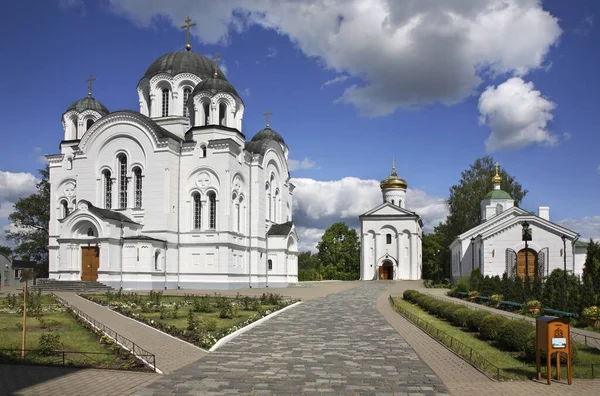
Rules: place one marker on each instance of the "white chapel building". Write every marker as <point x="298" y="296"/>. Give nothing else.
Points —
<point x="496" y="245"/>
<point x="391" y="236"/>
<point x="172" y="196"/>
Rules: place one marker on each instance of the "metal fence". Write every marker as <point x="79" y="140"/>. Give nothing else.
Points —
<point x="119" y="360"/>
<point x="148" y="358"/>
<point x="471" y="355"/>
<point x="576" y="337"/>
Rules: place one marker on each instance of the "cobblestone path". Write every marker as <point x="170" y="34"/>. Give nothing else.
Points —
<point x="339" y="345"/>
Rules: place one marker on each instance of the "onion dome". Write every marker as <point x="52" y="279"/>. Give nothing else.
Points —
<point x="268" y="134"/>
<point x="88" y="103"/>
<point x="214" y="85"/>
<point x="178" y="62"/>
<point x="497" y="192"/>
<point x="393" y="181"/>
<point x="497" y="179"/>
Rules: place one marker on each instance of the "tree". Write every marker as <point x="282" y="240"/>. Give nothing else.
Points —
<point x="5" y="251"/>
<point x="466" y="196"/>
<point x="308" y="265"/>
<point x="432" y="259"/>
<point x="591" y="267"/>
<point x="31" y="219"/>
<point x="339" y="253"/>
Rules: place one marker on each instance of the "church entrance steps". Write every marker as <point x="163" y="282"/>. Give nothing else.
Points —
<point x="72" y="286"/>
<point x="171" y="353"/>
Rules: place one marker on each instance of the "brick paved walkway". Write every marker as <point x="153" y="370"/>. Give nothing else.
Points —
<point x="460" y="377"/>
<point x="171" y="353"/>
<point x="339" y="345"/>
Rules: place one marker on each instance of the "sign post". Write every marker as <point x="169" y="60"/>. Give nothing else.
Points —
<point x="26" y="275"/>
<point x="553" y="335"/>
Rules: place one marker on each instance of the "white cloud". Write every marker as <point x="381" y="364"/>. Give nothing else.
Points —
<point x="567" y="136"/>
<point x="306" y="163"/>
<point x="318" y="204"/>
<point x="516" y="114"/>
<point x="588" y="226"/>
<point x="309" y="238"/>
<point x="16" y="185"/>
<point x="335" y="80"/>
<point x="408" y="53"/>
<point x="585" y="26"/>
<point x="271" y="52"/>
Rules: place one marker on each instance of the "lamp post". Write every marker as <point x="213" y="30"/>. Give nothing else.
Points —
<point x="526" y="238"/>
<point x="564" y="288"/>
<point x="437" y="265"/>
<point x="472" y="254"/>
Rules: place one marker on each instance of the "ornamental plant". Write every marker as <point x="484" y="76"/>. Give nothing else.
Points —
<point x="534" y="304"/>
<point x="496" y="299"/>
<point x="592" y="312"/>
<point x="473" y="294"/>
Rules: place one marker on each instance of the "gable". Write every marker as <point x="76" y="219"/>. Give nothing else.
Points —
<point x="387" y="209"/>
<point x="491" y="223"/>
<point x="534" y="221"/>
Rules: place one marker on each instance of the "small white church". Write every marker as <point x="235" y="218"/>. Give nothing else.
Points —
<point x="497" y="245"/>
<point x="172" y="196"/>
<point x="391" y="236"/>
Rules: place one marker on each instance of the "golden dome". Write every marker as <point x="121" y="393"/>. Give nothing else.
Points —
<point x="497" y="179"/>
<point x="393" y="181"/>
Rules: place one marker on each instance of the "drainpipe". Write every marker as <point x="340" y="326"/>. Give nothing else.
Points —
<point x="178" y="218"/>
<point x="267" y="254"/>
<point x="121" y="255"/>
<point x="250" y="225"/>
<point x="165" y="265"/>
<point x="573" y="251"/>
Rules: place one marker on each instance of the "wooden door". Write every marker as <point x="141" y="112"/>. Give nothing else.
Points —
<point x="526" y="258"/>
<point x="90" y="261"/>
<point x="382" y="273"/>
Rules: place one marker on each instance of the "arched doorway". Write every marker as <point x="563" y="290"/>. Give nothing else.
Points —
<point x="386" y="270"/>
<point x="86" y="232"/>
<point x="527" y="259"/>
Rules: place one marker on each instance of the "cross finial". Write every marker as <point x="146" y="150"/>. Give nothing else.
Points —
<point x="393" y="164"/>
<point x="267" y="114"/>
<point x="497" y="168"/>
<point x="216" y="60"/>
<point x="89" y="81"/>
<point x="187" y="26"/>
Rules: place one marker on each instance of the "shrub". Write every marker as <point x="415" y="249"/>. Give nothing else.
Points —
<point x="462" y="285"/>
<point x="488" y="330"/>
<point x="438" y="310"/>
<point x="448" y="311"/>
<point x="203" y="304"/>
<point x="495" y="299"/>
<point x="425" y="301"/>
<point x="474" y="319"/>
<point x="513" y="335"/>
<point x="208" y="324"/>
<point x="255" y="305"/>
<point x="410" y="295"/>
<point x="592" y="312"/>
<point x="192" y="321"/>
<point x="228" y="311"/>
<point x="49" y="344"/>
<point x="459" y="317"/>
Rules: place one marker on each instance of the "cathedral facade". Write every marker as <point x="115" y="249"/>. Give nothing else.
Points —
<point x="172" y="196"/>
<point x="391" y="236"/>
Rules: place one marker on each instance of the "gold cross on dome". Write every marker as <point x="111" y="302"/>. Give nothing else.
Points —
<point x="393" y="163"/>
<point x="497" y="168"/>
<point x="216" y="60"/>
<point x="187" y="26"/>
<point x="267" y="114"/>
<point x="89" y="81"/>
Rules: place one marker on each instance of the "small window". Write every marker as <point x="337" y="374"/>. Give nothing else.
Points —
<point x="69" y="163"/>
<point x="270" y="264"/>
<point x="222" y="114"/>
<point x="137" y="174"/>
<point x="157" y="260"/>
<point x="123" y="182"/>
<point x="165" y="102"/>
<point x="197" y="209"/>
<point x="186" y="95"/>
<point x="107" y="190"/>
<point x="65" y="208"/>
<point x="561" y="252"/>
<point x="203" y="149"/>
<point x="393" y="202"/>
<point x="206" y="108"/>
<point x="89" y="124"/>
<point x="388" y="239"/>
<point x="212" y="199"/>
<point x="90" y="232"/>
<point x="16" y="273"/>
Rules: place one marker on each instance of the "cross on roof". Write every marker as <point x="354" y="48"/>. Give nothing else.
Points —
<point x="267" y="114"/>
<point x="89" y="81"/>
<point x="393" y="163"/>
<point x="497" y="168"/>
<point x="215" y="60"/>
<point x="187" y="26"/>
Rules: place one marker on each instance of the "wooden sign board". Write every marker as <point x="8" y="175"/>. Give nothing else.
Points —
<point x="27" y="275"/>
<point x="553" y="335"/>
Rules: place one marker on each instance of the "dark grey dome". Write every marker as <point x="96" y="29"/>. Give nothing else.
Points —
<point x="214" y="85"/>
<point x="88" y="103"/>
<point x="268" y="134"/>
<point x="177" y="62"/>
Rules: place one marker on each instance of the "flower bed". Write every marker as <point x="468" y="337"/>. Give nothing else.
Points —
<point x="200" y="320"/>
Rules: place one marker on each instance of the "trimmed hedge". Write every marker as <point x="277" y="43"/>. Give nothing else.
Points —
<point x="475" y="318"/>
<point x="509" y="335"/>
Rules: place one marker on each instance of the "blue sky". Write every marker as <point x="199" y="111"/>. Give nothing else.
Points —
<point x="418" y="100"/>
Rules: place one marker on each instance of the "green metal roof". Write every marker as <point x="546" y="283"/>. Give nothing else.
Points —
<point x="88" y="103"/>
<point x="581" y="244"/>
<point x="214" y="85"/>
<point x="178" y="62"/>
<point x="498" y="194"/>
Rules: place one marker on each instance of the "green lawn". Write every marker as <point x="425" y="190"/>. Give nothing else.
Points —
<point x="74" y="338"/>
<point x="215" y="316"/>
<point x="511" y="366"/>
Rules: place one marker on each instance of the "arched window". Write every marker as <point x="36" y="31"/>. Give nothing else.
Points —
<point x="64" y="205"/>
<point x="499" y="209"/>
<point x="165" y="102"/>
<point x="212" y="218"/>
<point x="206" y="108"/>
<point x="203" y="149"/>
<point x="122" y="182"/>
<point x="69" y="163"/>
<point x="157" y="260"/>
<point x="393" y="203"/>
<point x="186" y="94"/>
<point x="107" y="190"/>
<point x="275" y="198"/>
<point x="89" y="124"/>
<point x="270" y="262"/>
<point x="197" y="209"/>
<point x="237" y="214"/>
<point x="388" y="239"/>
<point x="137" y="174"/>
<point x="222" y="114"/>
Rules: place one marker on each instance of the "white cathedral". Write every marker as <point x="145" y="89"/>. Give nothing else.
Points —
<point x="172" y="196"/>
<point x="391" y="236"/>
